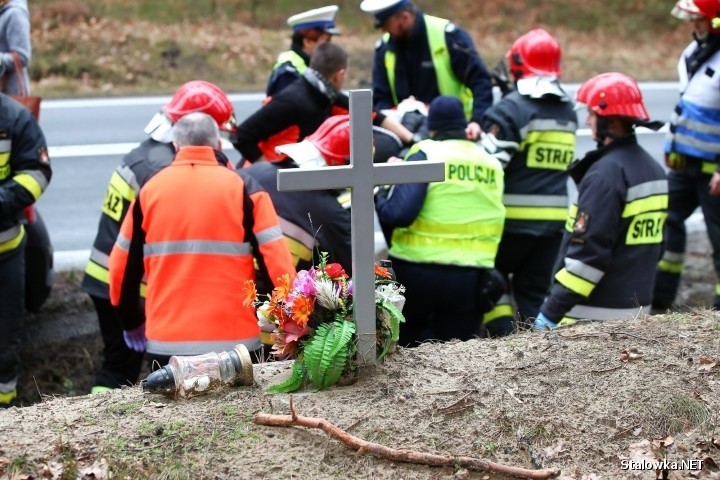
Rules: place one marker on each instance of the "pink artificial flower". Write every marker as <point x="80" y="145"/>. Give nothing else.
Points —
<point x="304" y="284"/>
<point x="294" y="332"/>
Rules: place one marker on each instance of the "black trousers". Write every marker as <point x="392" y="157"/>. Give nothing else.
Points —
<point x="12" y="312"/>
<point x="527" y="262"/>
<point x="440" y="302"/>
<point x="688" y="189"/>
<point x="121" y="365"/>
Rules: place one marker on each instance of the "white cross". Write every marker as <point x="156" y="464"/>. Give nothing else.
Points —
<point x="361" y="176"/>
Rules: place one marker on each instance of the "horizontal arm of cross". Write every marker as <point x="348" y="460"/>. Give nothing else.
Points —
<point x="342" y="177"/>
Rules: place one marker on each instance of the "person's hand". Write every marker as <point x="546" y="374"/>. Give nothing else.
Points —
<point x="395" y="159"/>
<point x="674" y="161"/>
<point x="135" y="338"/>
<point x="473" y="131"/>
<point x="715" y="184"/>
<point x="543" y="323"/>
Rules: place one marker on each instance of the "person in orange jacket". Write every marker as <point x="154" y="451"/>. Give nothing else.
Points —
<point x="192" y="232"/>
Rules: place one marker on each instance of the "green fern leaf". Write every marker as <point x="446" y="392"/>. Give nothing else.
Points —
<point x="328" y="352"/>
<point x="295" y="382"/>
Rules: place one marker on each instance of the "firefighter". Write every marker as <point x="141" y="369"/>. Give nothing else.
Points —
<point x="422" y="56"/>
<point x="692" y="148"/>
<point x="446" y="234"/>
<point x="310" y="29"/>
<point x="614" y="230"/>
<point x="24" y="175"/>
<point x="121" y="365"/>
<point x="531" y="130"/>
<point x="312" y="221"/>
<point x="194" y="230"/>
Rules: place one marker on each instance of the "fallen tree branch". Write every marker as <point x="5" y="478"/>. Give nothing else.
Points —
<point x="408" y="456"/>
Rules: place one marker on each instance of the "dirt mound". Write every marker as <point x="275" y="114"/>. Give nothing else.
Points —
<point x="583" y="399"/>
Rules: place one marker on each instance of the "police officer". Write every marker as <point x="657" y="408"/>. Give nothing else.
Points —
<point x="24" y="175"/>
<point x="445" y="234"/>
<point x="195" y="262"/>
<point x="531" y="130"/>
<point x="424" y="56"/>
<point x="692" y="147"/>
<point x="613" y="235"/>
<point x="310" y="29"/>
<point x="121" y="365"/>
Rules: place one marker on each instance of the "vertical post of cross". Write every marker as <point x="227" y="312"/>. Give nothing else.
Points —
<point x="361" y="176"/>
<point x="362" y="205"/>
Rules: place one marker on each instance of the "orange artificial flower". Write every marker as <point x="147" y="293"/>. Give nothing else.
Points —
<point x="382" y="272"/>
<point x="302" y="309"/>
<point x="250" y="293"/>
<point x="280" y="292"/>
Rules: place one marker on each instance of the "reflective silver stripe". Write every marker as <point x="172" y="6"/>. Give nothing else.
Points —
<point x="122" y="242"/>
<point x="5" y="145"/>
<point x="674" y="257"/>
<point x="503" y="300"/>
<point x="36" y="175"/>
<point x="99" y="257"/>
<point x="512" y="199"/>
<point x="128" y="175"/>
<point x="582" y="312"/>
<point x="712" y="147"/>
<point x="10" y="233"/>
<point x="656" y="187"/>
<point x="583" y="270"/>
<point x="699" y="127"/>
<point x="268" y="235"/>
<point x="212" y="247"/>
<point x="292" y="230"/>
<point x="8" y="387"/>
<point x="198" y="347"/>
<point x="547" y="125"/>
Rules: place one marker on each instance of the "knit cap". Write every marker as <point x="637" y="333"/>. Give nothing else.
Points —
<point x="446" y="113"/>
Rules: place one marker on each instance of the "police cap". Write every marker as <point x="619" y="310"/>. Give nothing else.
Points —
<point x="322" y="18"/>
<point x="382" y="9"/>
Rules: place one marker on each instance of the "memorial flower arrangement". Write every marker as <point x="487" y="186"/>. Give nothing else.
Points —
<point x="311" y="312"/>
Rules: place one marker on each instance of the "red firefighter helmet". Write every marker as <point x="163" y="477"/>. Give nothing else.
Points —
<point x="328" y="145"/>
<point x="535" y="53"/>
<point x="202" y="96"/>
<point x="696" y="9"/>
<point x="332" y="138"/>
<point x="613" y="95"/>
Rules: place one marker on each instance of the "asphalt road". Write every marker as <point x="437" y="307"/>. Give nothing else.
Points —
<point x="88" y="137"/>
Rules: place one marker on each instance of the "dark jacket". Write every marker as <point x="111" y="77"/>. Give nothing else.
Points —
<point x="24" y="169"/>
<point x="613" y="236"/>
<point x="543" y="131"/>
<point x="312" y="221"/>
<point x="288" y="117"/>
<point x="135" y="169"/>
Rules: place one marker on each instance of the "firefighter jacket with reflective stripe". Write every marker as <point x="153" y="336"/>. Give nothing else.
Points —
<point x="542" y="133"/>
<point x="614" y="235"/>
<point x="24" y="170"/>
<point x="288" y="68"/>
<point x="135" y="169"/>
<point x="695" y="125"/>
<point x="460" y="221"/>
<point x="312" y="221"/>
<point x="437" y="58"/>
<point x="192" y="230"/>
